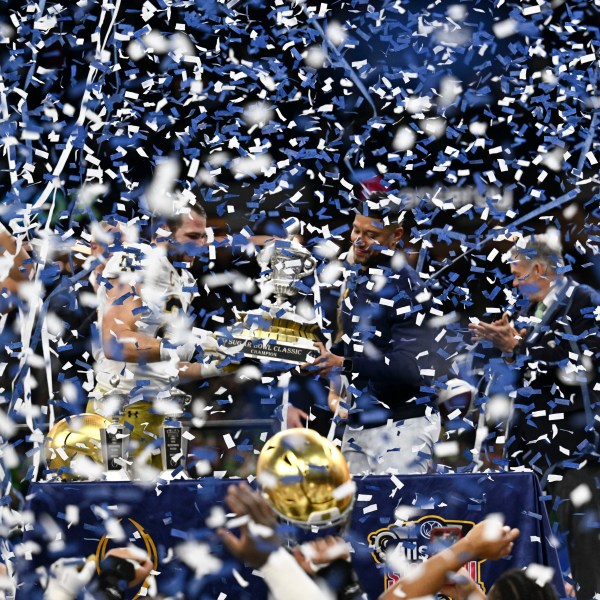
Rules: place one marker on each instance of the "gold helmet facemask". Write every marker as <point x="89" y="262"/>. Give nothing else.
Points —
<point x="77" y="435"/>
<point x="306" y="479"/>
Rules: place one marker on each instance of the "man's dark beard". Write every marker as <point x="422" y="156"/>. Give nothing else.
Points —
<point x="175" y="255"/>
<point x="186" y="253"/>
<point x="372" y="260"/>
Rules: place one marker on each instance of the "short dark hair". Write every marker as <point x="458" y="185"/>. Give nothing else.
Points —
<point x="174" y="222"/>
<point x="383" y="206"/>
<point x="515" y="584"/>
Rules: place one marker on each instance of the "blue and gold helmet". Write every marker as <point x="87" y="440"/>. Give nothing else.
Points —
<point x="306" y="479"/>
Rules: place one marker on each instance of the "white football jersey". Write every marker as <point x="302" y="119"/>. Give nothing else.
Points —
<point x="166" y="294"/>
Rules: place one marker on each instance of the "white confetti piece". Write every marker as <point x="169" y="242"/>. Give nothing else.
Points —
<point x="580" y="495"/>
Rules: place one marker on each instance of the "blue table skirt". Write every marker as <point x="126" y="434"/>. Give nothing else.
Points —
<point x="170" y="522"/>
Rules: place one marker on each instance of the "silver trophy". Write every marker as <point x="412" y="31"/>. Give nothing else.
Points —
<point x="285" y="262"/>
<point x="275" y="332"/>
<point x="174" y="446"/>
<point x="113" y="446"/>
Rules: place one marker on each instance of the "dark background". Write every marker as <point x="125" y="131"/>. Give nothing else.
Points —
<point x="183" y="95"/>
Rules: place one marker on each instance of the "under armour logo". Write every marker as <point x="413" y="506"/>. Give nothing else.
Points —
<point x="130" y="413"/>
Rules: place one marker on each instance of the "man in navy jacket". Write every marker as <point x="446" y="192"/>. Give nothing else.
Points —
<point x="385" y="351"/>
<point x="553" y="349"/>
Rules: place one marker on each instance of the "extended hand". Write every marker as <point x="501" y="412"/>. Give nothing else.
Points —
<point x="461" y="587"/>
<point x="325" y="363"/>
<point x="491" y="540"/>
<point x="321" y="551"/>
<point x="296" y="417"/>
<point x="258" y="538"/>
<point x="199" y="344"/>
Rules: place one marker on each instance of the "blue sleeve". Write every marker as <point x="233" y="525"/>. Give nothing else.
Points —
<point x="339" y="348"/>
<point x="398" y="364"/>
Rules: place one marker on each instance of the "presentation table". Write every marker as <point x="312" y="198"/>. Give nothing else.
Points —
<point x="175" y="523"/>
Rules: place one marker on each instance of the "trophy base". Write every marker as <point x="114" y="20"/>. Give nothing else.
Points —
<point x="279" y="336"/>
<point x="113" y="440"/>
<point x="174" y="446"/>
<point x="271" y="350"/>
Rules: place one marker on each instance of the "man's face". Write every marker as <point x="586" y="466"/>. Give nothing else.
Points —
<point x="529" y="277"/>
<point x="189" y="237"/>
<point x="369" y="236"/>
<point x="101" y="247"/>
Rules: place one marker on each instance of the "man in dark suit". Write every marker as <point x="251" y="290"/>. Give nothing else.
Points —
<point x="385" y="350"/>
<point x="553" y="348"/>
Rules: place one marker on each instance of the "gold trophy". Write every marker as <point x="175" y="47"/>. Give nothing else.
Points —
<point x="275" y="332"/>
<point x="72" y="438"/>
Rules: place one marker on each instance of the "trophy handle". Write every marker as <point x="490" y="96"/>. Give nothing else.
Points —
<point x="309" y="264"/>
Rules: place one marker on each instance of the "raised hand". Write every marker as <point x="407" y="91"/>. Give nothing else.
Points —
<point x="321" y="551"/>
<point x="258" y="537"/>
<point x="489" y="539"/>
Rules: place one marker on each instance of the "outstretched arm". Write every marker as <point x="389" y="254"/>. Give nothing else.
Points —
<point x="121" y="339"/>
<point x="398" y="364"/>
<point x="488" y="539"/>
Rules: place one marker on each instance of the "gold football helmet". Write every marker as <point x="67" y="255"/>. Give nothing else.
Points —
<point x="79" y="435"/>
<point x="306" y="479"/>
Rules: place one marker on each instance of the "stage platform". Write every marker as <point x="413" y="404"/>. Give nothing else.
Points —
<point x="174" y="523"/>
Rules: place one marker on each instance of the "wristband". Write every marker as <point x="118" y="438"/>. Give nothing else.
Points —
<point x="165" y="353"/>
<point x="347" y="366"/>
